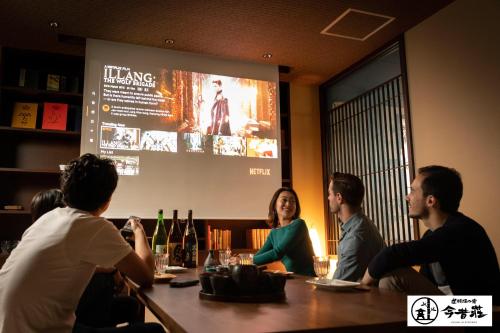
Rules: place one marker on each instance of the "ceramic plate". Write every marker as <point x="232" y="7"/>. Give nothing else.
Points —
<point x="333" y="284"/>
<point x="163" y="277"/>
<point x="175" y="269"/>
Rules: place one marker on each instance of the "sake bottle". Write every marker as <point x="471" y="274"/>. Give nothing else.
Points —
<point x="190" y="243"/>
<point x="159" y="243"/>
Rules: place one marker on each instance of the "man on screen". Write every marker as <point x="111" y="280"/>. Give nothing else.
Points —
<point x="45" y="276"/>
<point x="219" y="112"/>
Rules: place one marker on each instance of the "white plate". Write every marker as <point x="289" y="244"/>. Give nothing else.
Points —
<point x="333" y="284"/>
<point x="175" y="269"/>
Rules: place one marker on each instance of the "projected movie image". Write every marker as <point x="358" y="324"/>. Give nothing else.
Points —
<point x="120" y="138"/>
<point x="188" y="131"/>
<point x="229" y="145"/>
<point x="195" y="142"/>
<point x="159" y="141"/>
<point x="125" y="165"/>
<point x="263" y="148"/>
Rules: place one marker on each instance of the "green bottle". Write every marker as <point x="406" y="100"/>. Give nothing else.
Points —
<point x="159" y="243"/>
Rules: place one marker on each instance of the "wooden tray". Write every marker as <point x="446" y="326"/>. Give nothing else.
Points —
<point x="163" y="277"/>
<point x="258" y="298"/>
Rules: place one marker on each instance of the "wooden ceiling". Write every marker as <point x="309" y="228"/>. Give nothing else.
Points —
<point x="288" y="29"/>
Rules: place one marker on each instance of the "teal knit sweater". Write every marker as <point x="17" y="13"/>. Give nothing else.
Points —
<point x="290" y="244"/>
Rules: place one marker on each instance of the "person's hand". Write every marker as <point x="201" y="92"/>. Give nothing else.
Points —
<point x="136" y="226"/>
<point x="367" y="279"/>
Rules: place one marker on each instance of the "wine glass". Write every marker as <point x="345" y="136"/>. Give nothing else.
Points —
<point x="224" y="257"/>
<point x="161" y="262"/>
<point x="321" y="266"/>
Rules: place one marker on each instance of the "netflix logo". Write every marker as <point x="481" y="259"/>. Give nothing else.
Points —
<point x="259" y="172"/>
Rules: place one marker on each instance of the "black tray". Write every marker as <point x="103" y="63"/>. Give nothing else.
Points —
<point x="257" y="298"/>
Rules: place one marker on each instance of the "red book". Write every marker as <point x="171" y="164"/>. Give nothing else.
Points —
<point x="55" y="116"/>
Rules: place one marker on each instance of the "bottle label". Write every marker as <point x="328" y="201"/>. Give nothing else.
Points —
<point x="191" y="255"/>
<point x="175" y="254"/>
<point x="160" y="249"/>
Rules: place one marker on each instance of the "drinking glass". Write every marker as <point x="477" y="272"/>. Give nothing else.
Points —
<point x="246" y="258"/>
<point x="161" y="262"/>
<point x="224" y="257"/>
<point x="321" y="266"/>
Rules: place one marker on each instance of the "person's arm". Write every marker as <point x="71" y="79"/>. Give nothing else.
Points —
<point x="138" y="265"/>
<point x="258" y="258"/>
<point x="423" y="251"/>
<point x="292" y="234"/>
<point x="351" y="264"/>
<point x="367" y="279"/>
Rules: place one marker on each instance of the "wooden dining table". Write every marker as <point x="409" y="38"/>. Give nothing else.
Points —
<point x="306" y="308"/>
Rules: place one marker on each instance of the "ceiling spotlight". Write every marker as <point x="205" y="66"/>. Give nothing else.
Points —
<point x="169" y="41"/>
<point x="54" y="25"/>
<point x="267" y="55"/>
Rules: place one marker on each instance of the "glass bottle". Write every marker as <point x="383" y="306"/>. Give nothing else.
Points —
<point x="159" y="242"/>
<point x="211" y="262"/>
<point x="174" y="243"/>
<point x="190" y="243"/>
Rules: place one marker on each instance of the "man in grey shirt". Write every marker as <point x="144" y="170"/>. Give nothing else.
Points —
<point x="360" y="240"/>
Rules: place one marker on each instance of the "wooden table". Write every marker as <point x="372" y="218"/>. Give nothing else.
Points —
<point x="305" y="309"/>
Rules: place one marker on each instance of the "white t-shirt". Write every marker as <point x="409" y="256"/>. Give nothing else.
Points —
<point x="42" y="280"/>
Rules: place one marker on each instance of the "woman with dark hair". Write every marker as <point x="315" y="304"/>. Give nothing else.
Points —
<point x="45" y="201"/>
<point x="289" y="240"/>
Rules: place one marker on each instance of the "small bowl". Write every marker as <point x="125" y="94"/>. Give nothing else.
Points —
<point x="222" y="284"/>
<point x="246" y="277"/>
<point x="206" y="284"/>
<point x="278" y="282"/>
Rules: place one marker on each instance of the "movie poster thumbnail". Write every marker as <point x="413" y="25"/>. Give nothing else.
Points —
<point x="194" y="142"/>
<point x="229" y="145"/>
<point x="125" y="165"/>
<point x="263" y="148"/>
<point x="123" y="138"/>
<point x="159" y="141"/>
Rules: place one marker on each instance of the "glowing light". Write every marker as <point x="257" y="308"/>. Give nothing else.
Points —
<point x="313" y="234"/>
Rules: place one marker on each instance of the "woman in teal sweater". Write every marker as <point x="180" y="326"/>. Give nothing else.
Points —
<point x="289" y="240"/>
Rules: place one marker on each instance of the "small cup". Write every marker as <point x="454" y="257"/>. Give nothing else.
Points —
<point x="246" y="258"/>
<point x="222" y="284"/>
<point x="278" y="282"/>
<point x="321" y="266"/>
<point x="224" y="257"/>
<point x="206" y="284"/>
<point x="161" y="262"/>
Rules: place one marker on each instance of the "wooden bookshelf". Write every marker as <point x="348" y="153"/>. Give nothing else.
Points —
<point x="30" y="158"/>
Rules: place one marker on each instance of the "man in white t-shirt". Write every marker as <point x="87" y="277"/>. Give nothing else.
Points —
<point x="44" y="277"/>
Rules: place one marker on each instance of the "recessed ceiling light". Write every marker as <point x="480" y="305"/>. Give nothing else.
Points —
<point x="54" y="25"/>
<point x="169" y="41"/>
<point x="267" y="55"/>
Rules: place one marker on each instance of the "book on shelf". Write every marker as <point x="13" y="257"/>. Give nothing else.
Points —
<point x="219" y="239"/>
<point x="257" y="237"/>
<point x="53" y="82"/>
<point x="28" y="78"/>
<point x="55" y="116"/>
<point x="13" y="207"/>
<point x="24" y="115"/>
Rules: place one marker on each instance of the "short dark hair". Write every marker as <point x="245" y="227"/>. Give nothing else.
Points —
<point x="88" y="182"/>
<point x="45" y="201"/>
<point x="272" y="217"/>
<point x="217" y="82"/>
<point x="445" y="184"/>
<point x="350" y="187"/>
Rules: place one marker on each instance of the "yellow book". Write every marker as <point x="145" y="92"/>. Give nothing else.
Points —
<point x="24" y="115"/>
